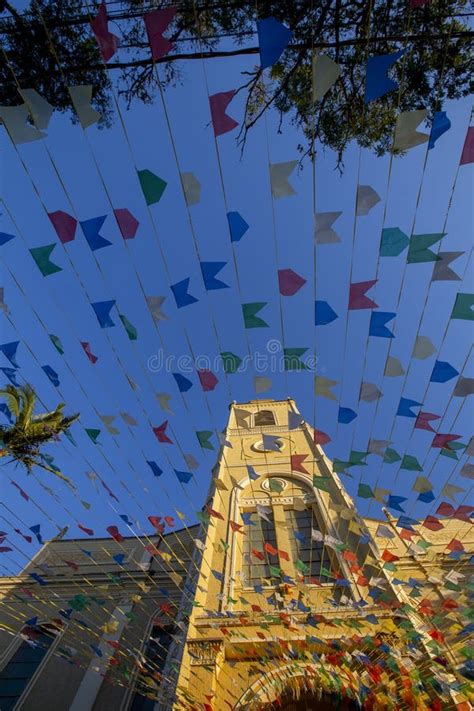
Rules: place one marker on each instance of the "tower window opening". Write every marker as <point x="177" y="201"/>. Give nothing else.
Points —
<point x="256" y="569"/>
<point x="264" y="418"/>
<point x="312" y="553"/>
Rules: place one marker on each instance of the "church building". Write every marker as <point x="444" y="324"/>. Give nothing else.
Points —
<point x="283" y="597"/>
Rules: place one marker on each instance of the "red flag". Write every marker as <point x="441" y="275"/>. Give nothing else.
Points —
<point x="357" y="297"/>
<point x="160" y="433"/>
<point x="236" y="527"/>
<point x="349" y="555"/>
<point x="455" y="545"/>
<point x="389" y="557"/>
<point x="423" y="420"/>
<point x="157" y="22"/>
<point x="442" y="440"/>
<point x="467" y="155"/>
<point x="23" y="494"/>
<point x="221" y="121"/>
<point x="127" y="223"/>
<point x="215" y="514"/>
<point x="107" y="41"/>
<point x="321" y="437"/>
<point x="155" y="522"/>
<point x="152" y="550"/>
<point x="72" y="565"/>
<point x="462" y="513"/>
<point x="290" y="282"/>
<point x="433" y="523"/>
<point x="89" y="531"/>
<point x="296" y="463"/>
<point x="208" y="380"/>
<point x="169" y="520"/>
<point x="283" y="555"/>
<point x="64" y="224"/>
<point x="445" y="509"/>
<point x="87" y="349"/>
<point x="5" y="549"/>
<point x="114" y="532"/>
<point x="270" y="549"/>
<point x="257" y="554"/>
<point x="28" y="539"/>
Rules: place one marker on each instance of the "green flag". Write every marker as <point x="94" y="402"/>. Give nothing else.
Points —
<point x="462" y="308"/>
<point x="322" y="483"/>
<point x="302" y="567"/>
<point x="393" y="242"/>
<point x="251" y="320"/>
<point x="274" y="571"/>
<point x="365" y="492"/>
<point x="56" y="343"/>
<point x="203" y="516"/>
<point x="41" y="256"/>
<point x="132" y="332"/>
<point x="411" y="463"/>
<point x="93" y="434"/>
<point x="231" y="362"/>
<point x="418" y="250"/>
<point x="291" y="358"/>
<point x="275" y="485"/>
<point x="391" y="456"/>
<point x="203" y="437"/>
<point x="153" y="187"/>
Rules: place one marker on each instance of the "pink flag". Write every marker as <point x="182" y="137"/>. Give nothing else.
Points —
<point x="114" y="532"/>
<point x="442" y="440"/>
<point x="127" y="223"/>
<point x="89" y="531"/>
<point x="107" y="41"/>
<point x="321" y="437"/>
<point x="160" y="433"/>
<point x="290" y="282"/>
<point x="423" y="421"/>
<point x="219" y="102"/>
<point x="88" y="352"/>
<point x="208" y="380"/>
<point x="357" y="297"/>
<point x="156" y="22"/>
<point x="467" y="155"/>
<point x="64" y="224"/>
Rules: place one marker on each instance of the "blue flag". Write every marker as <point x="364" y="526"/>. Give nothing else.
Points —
<point x="183" y="383"/>
<point x="377" y="83"/>
<point x="52" y="375"/>
<point x="346" y="415"/>
<point x="377" y="327"/>
<point x="442" y="372"/>
<point x="102" y="311"/>
<point x="180" y="292"/>
<point x="273" y="38"/>
<point x="155" y="468"/>
<point x="183" y="477"/>
<point x="440" y="125"/>
<point x="209" y="271"/>
<point x="404" y="408"/>
<point x="323" y="313"/>
<point x="237" y="226"/>
<point x="9" y="351"/>
<point x="91" y="229"/>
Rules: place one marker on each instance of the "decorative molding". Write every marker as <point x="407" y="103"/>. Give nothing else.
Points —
<point x="275" y="500"/>
<point x="204" y="652"/>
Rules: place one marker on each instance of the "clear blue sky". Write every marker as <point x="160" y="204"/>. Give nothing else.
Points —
<point x="68" y="171"/>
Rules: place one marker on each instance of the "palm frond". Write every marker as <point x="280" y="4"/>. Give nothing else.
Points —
<point x="13" y="399"/>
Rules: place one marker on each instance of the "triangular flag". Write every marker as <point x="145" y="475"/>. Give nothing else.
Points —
<point x="15" y="120"/>
<point x="441" y="271"/>
<point x="322" y="387"/>
<point x="237" y="226"/>
<point x="128" y="224"/>
<point x="191" y="188"/>
<point x="378" y="446"/>
<point x="294" y="420"/>
<point x="203" y="439"/>
<point x="107" y="420"/>
<point x="154" y="304"/>
<point x="467" y="155"/>
<point x="323" y="232"/>
<point x="157" y="471"/>
<point x="152" y="186"/>
<point x="393" y="242"/>
<point x="464" y="387"/>
<point x="346" y="415"/>
<point x="160" y="433"/>
<point x="183" y="383"/>
<point x="209" y="271"/>
<point x="52" y="375"/>
<point x="64" y="224"/>
<point x="231" y="362"/>
<point x="297" y="463"/>
<point x="367" y="198"/>
<point x="423" y="421"/>
<point x="163" y="399"/>
<point x="405" y="405"/>
<point x="81" y="97"/>
<point x="418" y="249"/>
<point x="411" y="463"/>
<point x="251" y="320"/>
<point x="9" y="351"/>
<point x="92" y="434"/>
<point x="40" y="110"/>
<point x="180" y="292"/>
<point x="273" y="38"/>
<point x="440" y="125"/>
<point x="442" y="372"/>
<point x="463" y="307"/>
<point x="87" y="350"/>
<point x="377" y="83"/>
<point x="377" y="327"/>
<point x="102" y="311"/>
<point x="218" y="104"/>
<point x="157" y="22"/>
<point x="91" y="230"/>
<point x="108" y="42"/>
<point x="393" y="367"/>
<point x="325" y="73"/>
<point x="289" y="282"/>
<point x="423" y="348"/>
<point x="132" y="332"/>
<point x="369" y="392"/>
<point x="357" y="297"/>
<point x="320" y="437"/>
<point x="41" y="256"/>
<point x="406" y="136"/>
<point x="207" y="379"/>
<point x="391" y="456"/>
<point x="279" y="174"/>
<point x="323" y="313"/>
<point x="291" y="358"/>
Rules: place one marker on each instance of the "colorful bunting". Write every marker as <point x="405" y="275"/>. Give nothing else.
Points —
<point x="467" y="155"/>
<point x="221" y="121"/>
<point x="418" y="249"/>
<point x="87" y="350"/>
<point x="442" y="372"/>
<point x="152" y="186"/>
<point x="203" y="439"/>
<point x="156" y="470"/>
<point x="41" y="255"/>
<point x="404" y="408"/>
<point x="357" y="297"/>
<point x="207" y="379"/>
<point x="132" y="332"/>
<point x="157" y="22"/>
<point x="181" y="295"/>
<point x="102" y="311"/>
<point x="406" y="136"/>
<point x="183" y="383"/>
<point x="160" y="433"/>
<point x="9" y="351"/>
<point x="325" y="73"/>
<point x="273" y="38"/>
<point x="191" y="188"/>
<point x="231" y="362"/>
<point x="393" y="242"/>
<point x="291" y="358"/>
<point x="209" y="271"/>
<point x="346" y="415"/>
<point x="463" y="307"/>
<point x="322" y="387"/>
<point x="52" y="375"/>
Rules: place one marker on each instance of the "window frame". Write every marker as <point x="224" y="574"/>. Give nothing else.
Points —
<point x="257" y="414"/>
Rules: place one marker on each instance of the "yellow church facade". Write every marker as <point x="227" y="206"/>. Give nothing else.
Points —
<point x="283" y="597"/>
<point x="297" y="597"/>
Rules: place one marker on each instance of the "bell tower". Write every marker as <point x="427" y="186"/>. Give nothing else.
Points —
<point x="289" y="578"/>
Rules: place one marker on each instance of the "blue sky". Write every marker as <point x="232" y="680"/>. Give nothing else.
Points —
<point x="89" y="173"/>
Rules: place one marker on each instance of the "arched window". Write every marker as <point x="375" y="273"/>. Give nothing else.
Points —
<point x="153" y="661"/>
<point x="264" y="418"/>
<point x="313" y="553"/>
<point x="256" y="560"/>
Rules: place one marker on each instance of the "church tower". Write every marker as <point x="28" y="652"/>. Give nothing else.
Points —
<point x="294" y="596"/>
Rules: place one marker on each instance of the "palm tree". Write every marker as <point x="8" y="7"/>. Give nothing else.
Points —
<point x="24" y="438"/>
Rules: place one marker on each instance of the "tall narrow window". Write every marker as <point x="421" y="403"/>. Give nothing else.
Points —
<point x="20" y="669"/>
<point x="257" y="567"/>
<point x="264" y="418"/>
<point x="312" y="553"/>
<point x="149" y="678"/>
